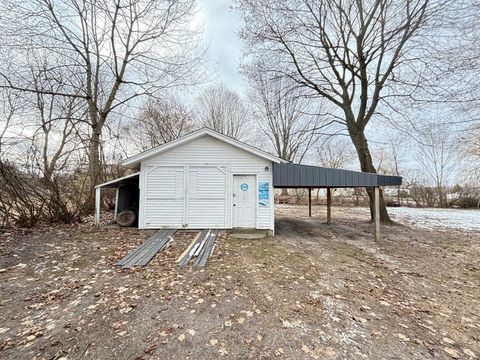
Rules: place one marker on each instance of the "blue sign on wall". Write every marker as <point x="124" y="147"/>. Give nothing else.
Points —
<point x="263" y="193"/>
<point x="244" y="187"/>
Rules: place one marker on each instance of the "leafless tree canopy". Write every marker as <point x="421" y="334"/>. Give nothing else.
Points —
<point x="160" y="121"/>
<point x="437" y="157"/>
<point x="334" y="153"/>
<point x="289" y="120"/>
<point x="106" y="53"/>
<point x="223" y="110"/>
<point x="351" y="53"/>
<point x="70" y="70"/>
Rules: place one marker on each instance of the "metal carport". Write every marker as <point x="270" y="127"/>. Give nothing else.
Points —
<point x="127" y="192"/>
<point x="288" y="175"/>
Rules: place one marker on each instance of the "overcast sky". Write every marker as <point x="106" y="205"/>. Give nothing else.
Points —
<point x="221" y="26"/>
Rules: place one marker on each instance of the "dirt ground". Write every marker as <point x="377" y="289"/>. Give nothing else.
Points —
<point x="313" y="291"/>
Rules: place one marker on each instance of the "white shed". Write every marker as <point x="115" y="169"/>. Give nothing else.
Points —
<point x="203" y="180"/>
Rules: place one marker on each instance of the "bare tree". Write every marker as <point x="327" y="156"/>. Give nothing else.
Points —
<point x="223" y="110"/>
<point x="160" y="121"/>
<point x="8" y="108"/>
<point x="57" y="121"/>
<point x="352" y="53"/>
<point x="470" y="146"/>
<point x="437" y="156"/>
<point x="114" y="51"/>
<point x="334" y="153"/>
<point x="289" y="120"/>
<point x="396" y="152"/>
<point x="42" y="186"/>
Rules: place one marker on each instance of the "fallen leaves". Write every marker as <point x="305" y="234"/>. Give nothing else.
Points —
<point x="286" y="324"/>
<point x="359" y="319"/>
<point x="241" y="303"/>
<point x="454" y="354"/>
<point x="227" y="323"/>
<point x="319" y="352"/>
<point x="403" y="337"/>
<point x="127" y="308"/>
<point x="151" y="349"/>
<point x="469" y="353"/>
<point x="223" y="351"/>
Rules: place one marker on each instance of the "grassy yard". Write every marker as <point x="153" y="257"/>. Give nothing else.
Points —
<point x="310" y="292"/>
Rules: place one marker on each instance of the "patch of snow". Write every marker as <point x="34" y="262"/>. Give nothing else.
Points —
<point x="430" y="218"/>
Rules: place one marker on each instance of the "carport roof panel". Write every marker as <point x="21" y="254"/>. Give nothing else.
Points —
<point x="124" y="180"/>
<point x="306" y="176"/>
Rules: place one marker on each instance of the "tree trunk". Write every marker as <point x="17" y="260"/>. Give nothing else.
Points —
<point x="366" y="164"/>
<point x="94" y="167"/>
<point x="94" y="154"/>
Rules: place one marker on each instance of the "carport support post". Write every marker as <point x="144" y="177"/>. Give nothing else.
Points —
<point x="377" y="214"/>
<point x="310" y="202"/>
<point x="97" y="205"/>
<point x="116" y="203"/>
<point x="329" y="206"/>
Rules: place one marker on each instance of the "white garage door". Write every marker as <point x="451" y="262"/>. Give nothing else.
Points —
<point x="198" y="202"/>
<point x="164" y="197"/>
<point x="206" y="197"/>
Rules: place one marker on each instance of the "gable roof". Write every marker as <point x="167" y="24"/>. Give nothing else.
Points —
<point x="135" y="160"/>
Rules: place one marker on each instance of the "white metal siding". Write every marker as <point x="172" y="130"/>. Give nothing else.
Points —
<point x="209" y="153"/>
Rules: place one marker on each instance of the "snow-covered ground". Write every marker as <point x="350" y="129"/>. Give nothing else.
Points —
<point x="427" y="218"/>
<point x="430" y="218"/>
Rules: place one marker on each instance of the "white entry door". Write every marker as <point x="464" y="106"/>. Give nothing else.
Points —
<point x="244" y="201"/>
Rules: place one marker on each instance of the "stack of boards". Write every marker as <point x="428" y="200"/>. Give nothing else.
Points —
<point x="145" y="252"/>
<point x="200" y="249"/>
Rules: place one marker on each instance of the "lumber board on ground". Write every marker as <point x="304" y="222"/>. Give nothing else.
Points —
<point x="188" y="256"/>
<point x="203" y="257"/>
<point x="142" y="257"/>
<point x="145" y="252"/>
<point x="186" y="251"/>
